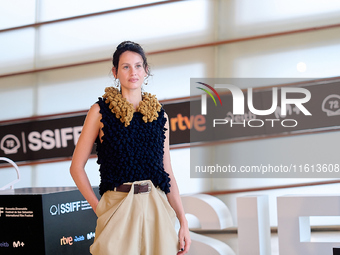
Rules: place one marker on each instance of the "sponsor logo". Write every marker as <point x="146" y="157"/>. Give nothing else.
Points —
<point x="70" y="207"/>
<point x="36" y="141"/>
<point x="70" y="240"/>
<point x="65" y="208"/>
<point x="331" y="105"/>
<point x="79" y="238"/>
<point x="18" y="244"/>
<point x="90" y="235"/>
<point x="4" y="244"/>
<point x="49" y="139"/>
<point x="66" y="240"/>
<point x="180" y="122"/>
<point x="1" y="211"/>
<point x="10" y="144"/>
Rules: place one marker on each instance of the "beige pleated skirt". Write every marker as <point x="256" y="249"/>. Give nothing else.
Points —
<point x="135" y="224"/>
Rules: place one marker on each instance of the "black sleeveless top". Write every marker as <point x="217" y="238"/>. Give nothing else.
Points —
<point x="131" y="153"/>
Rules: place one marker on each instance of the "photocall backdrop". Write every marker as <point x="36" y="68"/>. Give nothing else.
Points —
<point x="54" y="137"/>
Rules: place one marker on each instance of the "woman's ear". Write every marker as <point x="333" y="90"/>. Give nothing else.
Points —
<point x="114" y="72"/>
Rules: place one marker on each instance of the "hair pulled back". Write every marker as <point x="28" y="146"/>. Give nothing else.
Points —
<point x="130" y="46"/>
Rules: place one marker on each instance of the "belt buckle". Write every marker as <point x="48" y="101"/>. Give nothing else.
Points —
<point x="144" y="184"/>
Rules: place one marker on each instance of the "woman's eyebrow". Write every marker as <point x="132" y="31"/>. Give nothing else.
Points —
<point x="140" y="62"/>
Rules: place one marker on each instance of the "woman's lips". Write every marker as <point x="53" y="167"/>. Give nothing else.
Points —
<point x="133" y="80"/>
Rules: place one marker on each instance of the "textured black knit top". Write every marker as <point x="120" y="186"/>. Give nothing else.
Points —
<point x="131" y="153"/>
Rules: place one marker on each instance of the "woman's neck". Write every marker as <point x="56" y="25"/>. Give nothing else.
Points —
<point x="133" y="96"/>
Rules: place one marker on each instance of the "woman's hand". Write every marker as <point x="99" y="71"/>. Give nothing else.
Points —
<point x="94" y="207"/>
<point x="184" y="239"/>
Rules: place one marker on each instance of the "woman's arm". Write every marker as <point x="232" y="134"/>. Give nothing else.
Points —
<point x="174" y="197"/>
<point x="82" y="152"/>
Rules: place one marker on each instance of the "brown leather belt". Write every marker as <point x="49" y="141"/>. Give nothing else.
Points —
<point x="138" y="188"/>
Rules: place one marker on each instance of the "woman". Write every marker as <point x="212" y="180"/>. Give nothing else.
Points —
<point x="131" y="130"/>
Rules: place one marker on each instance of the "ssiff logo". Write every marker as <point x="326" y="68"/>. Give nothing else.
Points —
<point x="10" y="144"/>
<point x="331" y="105"/>
<point x="65" y="208"/>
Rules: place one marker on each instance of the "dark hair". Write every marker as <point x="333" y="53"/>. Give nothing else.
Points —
<point x="130" y="46"/>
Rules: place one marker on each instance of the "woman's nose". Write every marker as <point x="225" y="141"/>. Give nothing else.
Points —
<point x="133" y="70"/>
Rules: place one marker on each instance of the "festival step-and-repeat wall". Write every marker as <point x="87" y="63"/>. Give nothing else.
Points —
<point x="54" y="137"/>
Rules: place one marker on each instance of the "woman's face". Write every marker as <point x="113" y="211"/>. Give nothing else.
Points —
<point x="130" y="71"/>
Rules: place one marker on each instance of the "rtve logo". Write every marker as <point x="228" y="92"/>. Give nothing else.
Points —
<point x="70" y="241"/>
<point x="66" y="240"/>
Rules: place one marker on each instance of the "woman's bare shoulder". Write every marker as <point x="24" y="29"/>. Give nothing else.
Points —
<point x="95" y="107"/>
<point x="94" y="110"/>
<point x="93" y="116"/>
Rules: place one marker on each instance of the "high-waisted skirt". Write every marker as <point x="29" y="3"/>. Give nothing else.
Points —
<point x="135" y="224"/>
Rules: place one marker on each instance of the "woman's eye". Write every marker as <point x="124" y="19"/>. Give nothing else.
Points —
<point x="139" y="66"/>
<point x="125" y="67"/>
